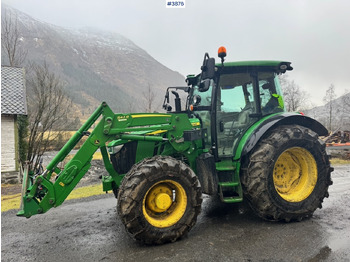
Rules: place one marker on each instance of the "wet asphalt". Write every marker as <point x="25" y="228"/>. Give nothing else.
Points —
<point x="89" y="230"/>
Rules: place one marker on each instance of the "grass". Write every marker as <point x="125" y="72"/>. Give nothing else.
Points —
<point x="10" y="202"/>
<point x="66" y="134"/>
<point x="338" y="161"/>
<point x="97" y="155"/>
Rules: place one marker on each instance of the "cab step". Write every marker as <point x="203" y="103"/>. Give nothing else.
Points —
<point x="230" y="192"/>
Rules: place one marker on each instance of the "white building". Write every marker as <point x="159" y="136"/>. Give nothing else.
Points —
<point x="13" y="103"/>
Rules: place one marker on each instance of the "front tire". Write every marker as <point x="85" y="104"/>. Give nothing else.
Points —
<point x="159" y="200"/>
<point x="288" y="174"/>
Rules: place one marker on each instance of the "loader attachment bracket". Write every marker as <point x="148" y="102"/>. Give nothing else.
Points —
<point x="40" y="192"/>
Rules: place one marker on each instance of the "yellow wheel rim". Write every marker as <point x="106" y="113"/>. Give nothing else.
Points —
<point x="295" y="174"/>
<point x="164" y="203"/>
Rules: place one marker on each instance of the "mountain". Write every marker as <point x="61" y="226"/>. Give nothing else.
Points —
<point x="340" y="117"/>
<point x="95" y="65"/>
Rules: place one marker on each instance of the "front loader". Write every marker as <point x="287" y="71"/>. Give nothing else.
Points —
<point x="232" y="139"/>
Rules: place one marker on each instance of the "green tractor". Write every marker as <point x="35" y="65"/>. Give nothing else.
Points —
<point x="232" y="138"/>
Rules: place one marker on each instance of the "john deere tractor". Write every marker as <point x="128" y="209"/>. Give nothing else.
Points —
<point x="231" y="138"/>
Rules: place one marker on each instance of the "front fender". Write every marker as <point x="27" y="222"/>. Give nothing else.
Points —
<point x="259" y="129"/>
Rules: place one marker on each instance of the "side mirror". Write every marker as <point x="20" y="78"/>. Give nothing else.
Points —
<point x="204" y="85"/>
<point x="208" y="67"/>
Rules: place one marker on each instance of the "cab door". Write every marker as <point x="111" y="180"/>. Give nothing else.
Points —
<point x="235" y="109"/>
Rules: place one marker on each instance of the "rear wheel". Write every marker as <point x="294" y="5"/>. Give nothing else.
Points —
<point x="159" y="200"/>
<point x="288" y="174"/>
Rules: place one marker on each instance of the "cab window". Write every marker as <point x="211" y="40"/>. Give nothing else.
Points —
<point x="270" y="94"/>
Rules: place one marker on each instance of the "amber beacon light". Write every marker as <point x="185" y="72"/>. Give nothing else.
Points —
<point x="222" y="53"/>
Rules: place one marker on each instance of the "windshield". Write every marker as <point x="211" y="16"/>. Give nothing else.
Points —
<point x="236" y="92"/>
<point x="202" y="103"/>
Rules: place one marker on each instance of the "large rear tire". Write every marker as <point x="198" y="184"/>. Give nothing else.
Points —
<point x="159" y="200"/>
<point x="288" y="174"/>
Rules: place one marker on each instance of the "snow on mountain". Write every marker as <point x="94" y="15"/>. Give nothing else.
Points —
<point x="96" y="65"/>
<point x="334" y="115"/>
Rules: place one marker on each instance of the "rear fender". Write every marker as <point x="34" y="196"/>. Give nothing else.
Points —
<point x="255" y="133"/>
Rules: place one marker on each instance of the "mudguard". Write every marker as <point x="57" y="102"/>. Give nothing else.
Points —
<point x="259" y="129"/>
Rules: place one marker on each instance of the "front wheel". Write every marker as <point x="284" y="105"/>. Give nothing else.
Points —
<point x="159" y="200"/>
<point x="287" y="175"/>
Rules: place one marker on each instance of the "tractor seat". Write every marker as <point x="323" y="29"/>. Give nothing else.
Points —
<point x="242" y="120"/>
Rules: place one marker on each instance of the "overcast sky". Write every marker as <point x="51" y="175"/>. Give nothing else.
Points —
<point x="313" y="34"/>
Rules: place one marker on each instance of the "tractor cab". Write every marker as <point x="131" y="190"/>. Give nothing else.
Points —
<point x="230" y="97"/>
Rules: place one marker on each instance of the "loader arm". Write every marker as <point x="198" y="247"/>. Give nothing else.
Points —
<point x="40" y="192"/>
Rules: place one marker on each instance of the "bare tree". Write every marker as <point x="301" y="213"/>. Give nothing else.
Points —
<point x="149" y="96"/>
<point x="346" y="99"/>
<point x="345" y="108"/>
<point x="294" y="98"/>
<point x="131" y="107"/>
<point x="328" y="99"/>
<point x="11" y="40"/>
<point x="48" y="106"/>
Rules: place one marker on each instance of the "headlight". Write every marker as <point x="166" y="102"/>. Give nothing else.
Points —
<point x="196" y="100"/>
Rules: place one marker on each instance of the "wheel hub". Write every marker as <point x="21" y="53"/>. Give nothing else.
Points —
<point x="159" y="198"/>
<point x="295" y="174"/>
<point x="165" y="203"/>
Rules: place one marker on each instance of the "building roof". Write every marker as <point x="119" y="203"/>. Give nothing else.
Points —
<point x="13" y="91"/>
